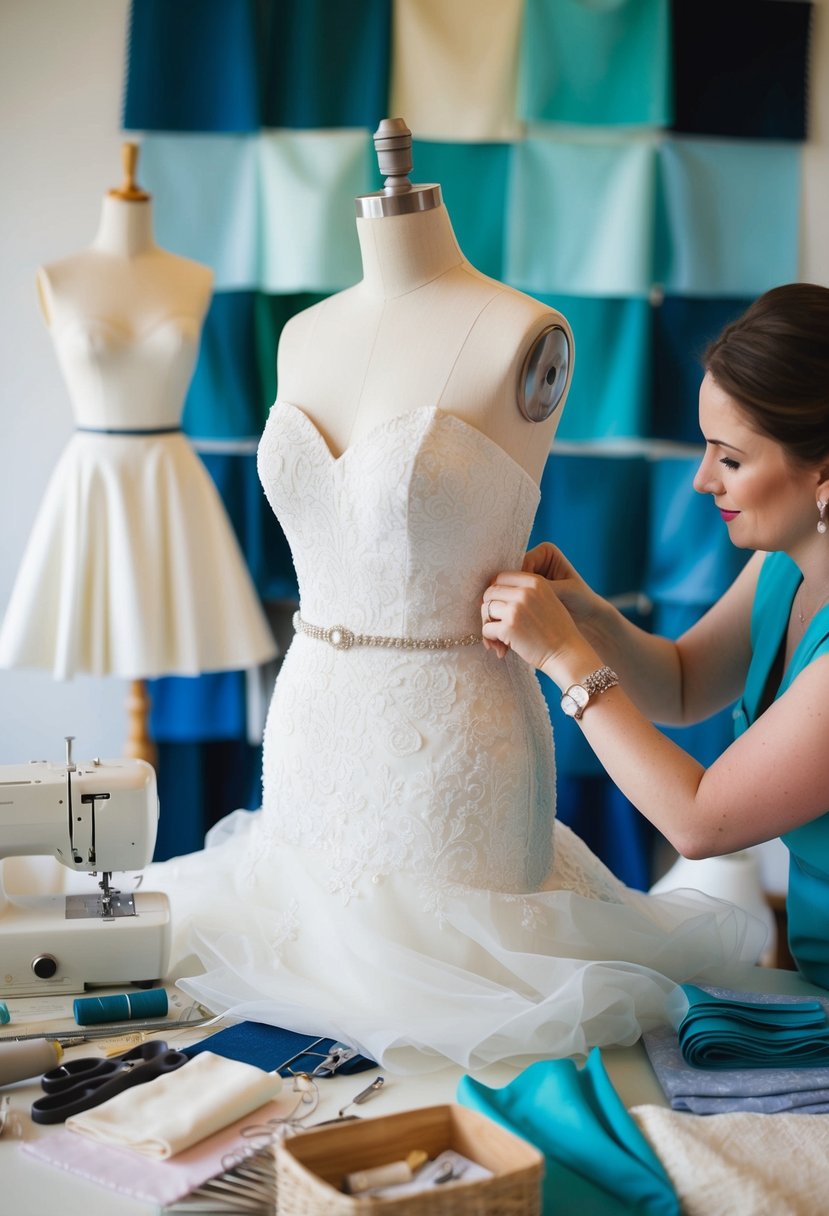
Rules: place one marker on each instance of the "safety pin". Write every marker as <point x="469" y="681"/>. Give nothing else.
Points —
<point x="364" y="1094"/>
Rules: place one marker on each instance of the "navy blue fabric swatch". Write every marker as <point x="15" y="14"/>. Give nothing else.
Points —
<point x="192" y="65"/>
<point x="270" y="1047"/>
<point x="682" y="328"/>
<point x="740" y="67"/>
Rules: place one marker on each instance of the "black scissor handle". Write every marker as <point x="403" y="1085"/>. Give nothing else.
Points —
<point x="56" y="1107"/>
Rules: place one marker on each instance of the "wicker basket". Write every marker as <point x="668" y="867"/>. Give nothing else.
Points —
<point x="310" y="1167"/>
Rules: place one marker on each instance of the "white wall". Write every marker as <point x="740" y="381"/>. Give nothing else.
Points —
<point x="61" y="78"/>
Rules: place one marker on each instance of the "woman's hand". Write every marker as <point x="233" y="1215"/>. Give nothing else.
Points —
<point x="522" y="611"/>
<point x="571" y="589"/>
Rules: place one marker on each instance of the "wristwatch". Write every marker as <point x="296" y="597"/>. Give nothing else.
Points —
<point x="575" y="699"/>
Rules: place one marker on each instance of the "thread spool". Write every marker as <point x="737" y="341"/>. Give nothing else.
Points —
<point x="123" y="1007"/>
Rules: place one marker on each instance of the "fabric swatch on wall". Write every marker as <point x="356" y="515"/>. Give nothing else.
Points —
<point x="609" y="396"/>
<point x="580" y="214"/>
<point x="204" y="189"/>
<point x="731" y="215"/>
<point x="259" y="534"/>
<point x="271" y="314"/>
<point x="308" y="183"/>
<point x="327" y="65"/>
<point x="473" y="181"/>
<point x="223" y="400"/>
<point x="600" y="64"/>
<point x="192" y="66"/>
<point x="682" y="328"/>
<point x="580" y="512"/>
<point x="740" y="69"/>
<point x="454" y="67"/>
<point x="690" y="557"/>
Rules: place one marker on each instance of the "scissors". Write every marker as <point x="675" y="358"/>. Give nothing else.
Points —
<point x="81" y="1084"/>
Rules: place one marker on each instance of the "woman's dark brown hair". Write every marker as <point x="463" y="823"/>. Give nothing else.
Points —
<point x="774" y="362"/>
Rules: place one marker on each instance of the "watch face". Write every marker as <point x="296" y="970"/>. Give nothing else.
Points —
<point x="574" y="700"/>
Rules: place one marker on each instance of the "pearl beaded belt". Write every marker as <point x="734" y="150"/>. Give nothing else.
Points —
<point x="343" y="639"/>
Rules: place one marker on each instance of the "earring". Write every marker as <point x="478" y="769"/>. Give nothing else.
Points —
<point x="821" y="523"/>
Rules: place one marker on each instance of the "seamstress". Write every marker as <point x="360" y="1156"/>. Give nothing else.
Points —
<point x="764" y="416"/>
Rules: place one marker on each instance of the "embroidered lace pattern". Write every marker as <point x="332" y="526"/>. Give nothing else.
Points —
<point x="435" y="763"/>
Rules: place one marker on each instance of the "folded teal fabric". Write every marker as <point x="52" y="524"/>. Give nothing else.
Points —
<point x="597" y="1162"/>
<point x="719" y="1032"/>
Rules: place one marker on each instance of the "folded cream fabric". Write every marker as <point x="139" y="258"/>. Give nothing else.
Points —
<point x="167" y="1115"/>
<point x="757" y="1165"/>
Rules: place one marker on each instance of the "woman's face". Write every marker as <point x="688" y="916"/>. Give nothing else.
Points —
<point x="765" y="500"/>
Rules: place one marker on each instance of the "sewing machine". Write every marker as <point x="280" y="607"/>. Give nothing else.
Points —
<point x="94" y="817"/>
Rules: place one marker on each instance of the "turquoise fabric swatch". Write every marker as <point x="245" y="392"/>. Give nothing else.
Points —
<point x="597" y="1162"/>
<point x="594" y="507"/>
<point x="690" y="557"/>
<point x="327" y="65"/>
<point x="224" y="398"/>
<point x="580" y="214"/>
<point x="731" y="216"/>
<point x="807" y="900"/>
<point x="609" y="396"/>
<point x="605" y="62"/>
<point x="309" y="181"/>
<point x="192" y="66"/>
<point x="205" y="201"/>
<point x="718" y="1032"/>
<point x="473" y="180"/>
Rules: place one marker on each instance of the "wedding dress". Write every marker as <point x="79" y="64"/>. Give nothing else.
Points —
<point x="405" y="886"/>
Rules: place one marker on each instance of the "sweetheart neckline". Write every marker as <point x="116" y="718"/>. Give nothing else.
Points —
<point x="387" y="423"/>
<point x="126" y="334"/>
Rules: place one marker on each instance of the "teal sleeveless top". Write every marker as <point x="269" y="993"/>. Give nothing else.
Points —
<point x="807" y="900"/>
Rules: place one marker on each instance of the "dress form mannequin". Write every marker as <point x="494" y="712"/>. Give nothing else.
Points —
<point x="423" y="327"/>
<point x="131" y="541"/>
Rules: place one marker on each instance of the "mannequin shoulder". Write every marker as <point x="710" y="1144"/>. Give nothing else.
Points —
<point x="522" y="348"/>
<point x="314" y="325"/>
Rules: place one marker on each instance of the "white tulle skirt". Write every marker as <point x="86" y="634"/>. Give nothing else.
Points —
<point x="484" y="976"/>
<point x="132" y="568"/>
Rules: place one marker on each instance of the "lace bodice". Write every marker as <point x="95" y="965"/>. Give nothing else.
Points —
<point x="435" y="762"/>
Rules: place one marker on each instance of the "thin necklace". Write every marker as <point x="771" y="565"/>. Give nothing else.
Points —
<point x="805" y="617"/>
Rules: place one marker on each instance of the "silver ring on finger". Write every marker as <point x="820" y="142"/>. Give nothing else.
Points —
<point x="489" y="615"/>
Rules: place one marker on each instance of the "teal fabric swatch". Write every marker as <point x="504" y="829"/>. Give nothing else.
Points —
<point x="718" y="1032"/>
<point x="205" y="201"/>
<point x="192" y="66"/>
<point x="690" y="557"/>
<point x="308" y="182"/>
<point x="730" y="211"/>
<point x="473" y="180"/>
<point x="582" y="495"/>
<point x="580" y="214"/>
<point x="224" y="398"/>
<point x="603" y="62"/>
<point x="609" y="396"/>
<point x="807" y="899"/>
<point x="597" y="1162"/>
<point x="326" y="65"/>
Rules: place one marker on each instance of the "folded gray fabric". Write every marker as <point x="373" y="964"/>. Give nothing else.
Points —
<point x="719" y="1091"/>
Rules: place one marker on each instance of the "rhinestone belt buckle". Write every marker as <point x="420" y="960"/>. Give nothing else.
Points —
<point x="339" y="637"/>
